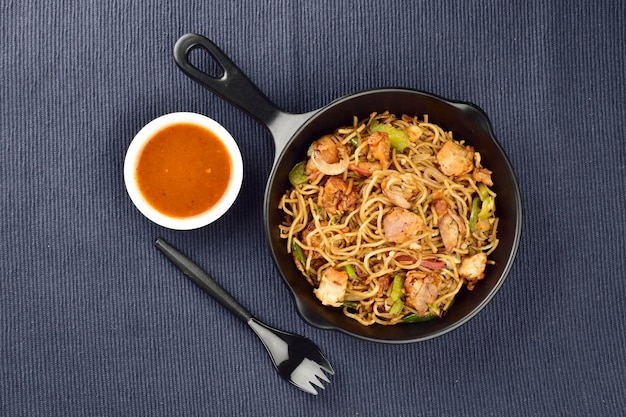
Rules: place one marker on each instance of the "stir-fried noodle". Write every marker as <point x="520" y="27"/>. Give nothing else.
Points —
<point x="389" y="218"/>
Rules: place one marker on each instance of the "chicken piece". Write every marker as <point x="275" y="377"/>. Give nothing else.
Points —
<point x="380" y="147"/>
<point x="449" y="231"/>
<point x="383" y="283"/>
<point x="440" y="207"/>
<point x="454" y="159"/>
<point x="473" y="269"/>
<point x="400" y="224"/>
<point x="336" y="199"/>
<point x="332" y="288"/>
<point x="400" y="189"/>
<point x="328" y="151"/>
<point x="365" y="168"/>
<point x="361" y="274"/>
<point x="420" y="289"/>
<point x="473" y="266"/>
<point x="312" y="239"/>
<point x="415" y="132"/>
<point x="483" y="225"/>
<point x="482" y="175"/>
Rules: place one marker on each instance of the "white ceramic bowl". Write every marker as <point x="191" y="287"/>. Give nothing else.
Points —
<point x="134" y="153"/>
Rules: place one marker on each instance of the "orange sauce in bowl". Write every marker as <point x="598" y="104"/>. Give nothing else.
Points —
<point x="183" y="170"/>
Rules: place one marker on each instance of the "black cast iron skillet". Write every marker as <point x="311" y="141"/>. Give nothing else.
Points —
<point x="293" y="133"/>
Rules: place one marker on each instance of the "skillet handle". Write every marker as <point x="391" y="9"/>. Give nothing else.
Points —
<point x="236" y="88"/>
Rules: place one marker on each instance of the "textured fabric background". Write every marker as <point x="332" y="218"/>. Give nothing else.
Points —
<point x="95" y="322"/>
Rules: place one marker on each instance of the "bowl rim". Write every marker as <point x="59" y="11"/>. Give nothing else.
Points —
<point x="133" y="154"/>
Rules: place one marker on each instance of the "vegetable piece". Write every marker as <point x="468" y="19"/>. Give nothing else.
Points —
<point x="404" y="259"/>
<point x="432" y="264"/>
<point x="397" y="138"/>
<point x="488" y="202"/>
<point x="482" y="206"/>
<point x="350" y="304"/>
<point x="397" y="295"/>
<point x="486" y="209"/>
<point x="396" y="308"/>
<point x="434" y="309"/>
<point x="296" y="175"/>
<point x="396" y="288"/>
<point x="474" y="214"/>
<point x="359" y="170"/>
<point x="299" y="254"/>
<point x="351" y="272"/>
<point x="414" y="318"/>
<point x="354" y="140"/>
<point x="483" y="191"/>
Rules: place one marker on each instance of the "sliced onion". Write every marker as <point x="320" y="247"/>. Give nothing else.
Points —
<point x="329" y="169"/>
<point x="458" y="221"/>
<point x="431" y="175"/>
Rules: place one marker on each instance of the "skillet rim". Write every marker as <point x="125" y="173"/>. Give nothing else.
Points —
<point x="481" y="120"/>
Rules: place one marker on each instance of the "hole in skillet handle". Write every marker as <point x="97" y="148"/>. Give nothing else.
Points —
<point x="235" y="87"/>
<point x="206" y="63"/>
<point x="232" y="86"/>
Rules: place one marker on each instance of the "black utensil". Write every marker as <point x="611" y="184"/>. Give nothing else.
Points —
<point x="296" y="358"/>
